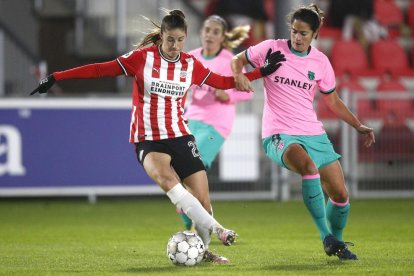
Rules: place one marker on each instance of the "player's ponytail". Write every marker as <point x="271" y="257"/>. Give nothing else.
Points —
<point x="175" y="19"/>
<point x="236" y="36"/>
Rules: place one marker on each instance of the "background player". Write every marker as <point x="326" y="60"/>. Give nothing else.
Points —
<point x="211" y="111"/>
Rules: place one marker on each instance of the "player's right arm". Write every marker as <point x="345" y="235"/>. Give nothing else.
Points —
<point x="89" y="71"/>
<point x="124" y="65"/>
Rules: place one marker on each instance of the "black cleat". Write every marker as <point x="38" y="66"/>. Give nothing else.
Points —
<point x="346" y="254"/>
<point x="333" y="246"/>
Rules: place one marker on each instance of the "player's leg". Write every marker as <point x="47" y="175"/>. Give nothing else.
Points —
<point x="187" y="163"/>
<point x="338" y="206"/>
<point x="298" y="160"/>
<point x="193" y="184"/>
<point x="338" y="203"/>
<point x="197" y="184"/>
<point x="157" y="164"/>
<point x="209" y="142"/>
<point x="188" y="223"/>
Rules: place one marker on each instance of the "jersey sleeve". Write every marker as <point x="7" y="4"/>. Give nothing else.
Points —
<point x="256" y="54"/>
<point x="328" y="83"/>
<point x="200" y="73"/>
<point x="227" y="82"/>
<point x="95" y="70"/>
<point x="130" y="61"/>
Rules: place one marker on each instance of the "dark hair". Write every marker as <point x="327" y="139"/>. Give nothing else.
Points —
<point x="234" y="37"/>
<point x="174" y="19"/>
<point x="309" y="14"/>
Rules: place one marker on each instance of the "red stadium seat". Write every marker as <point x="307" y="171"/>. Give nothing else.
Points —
<point x="410" y="15"/>
<point x="389" y="15"/>
<point x="393" y="111"/>
<point x="365" y="106"/>
<point x="395" y="144"/>
<point x="389" y="56"/>
<point x="323" y="111"/>
<point x="330" y="32"/>
<point x="351" y="83"/>
<point x="389" y="83"/>
<point x="350" y="57"/>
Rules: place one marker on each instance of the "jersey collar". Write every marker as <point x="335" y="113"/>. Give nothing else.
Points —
<point x="304" y="54"/>
<point x="167" y="59"/>
<point x="211" y="57"/>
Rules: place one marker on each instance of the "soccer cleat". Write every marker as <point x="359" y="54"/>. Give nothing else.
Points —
<point x="346" y="254"/>
<point x="226" y="236"/>
<point x="214" y="258"/>
<point x="333" y="246"/>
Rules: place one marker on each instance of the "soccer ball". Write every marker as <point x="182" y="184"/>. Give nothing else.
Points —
<point x="185" y="248"/>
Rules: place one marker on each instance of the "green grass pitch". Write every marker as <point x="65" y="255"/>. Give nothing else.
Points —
<point x="128" y="236"/>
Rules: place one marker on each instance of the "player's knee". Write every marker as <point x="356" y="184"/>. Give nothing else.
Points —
<point x="164" y="180"/>
<point x="340" y="197"/>
<point x="309" y="169"/>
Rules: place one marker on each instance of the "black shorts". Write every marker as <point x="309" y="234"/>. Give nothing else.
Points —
<point x="185" y="157"/>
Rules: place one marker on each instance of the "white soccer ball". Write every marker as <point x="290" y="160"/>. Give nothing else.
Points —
<point x="185" y="248"/>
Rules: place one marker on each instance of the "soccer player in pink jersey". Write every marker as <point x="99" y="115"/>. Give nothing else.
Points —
<point x="211" y="111"/>
<point x="292" y="135"/>
<point x="164" y="146"/>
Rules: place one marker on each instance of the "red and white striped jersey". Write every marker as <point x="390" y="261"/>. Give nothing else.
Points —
<point x="159" y="92"/>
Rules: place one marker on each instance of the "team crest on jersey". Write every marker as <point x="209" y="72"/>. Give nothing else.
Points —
<point x="311" y="75"/>
<point x="183" y="74"/>
<point x="280" y="145"/>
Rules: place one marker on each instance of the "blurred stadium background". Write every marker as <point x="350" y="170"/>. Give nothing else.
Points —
<point x="73" y="141"/>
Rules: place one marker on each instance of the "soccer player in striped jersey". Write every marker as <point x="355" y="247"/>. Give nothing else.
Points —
<point x="292" y="135"/>
<point x="211" y="111"/>
<point x="165" y="148"/>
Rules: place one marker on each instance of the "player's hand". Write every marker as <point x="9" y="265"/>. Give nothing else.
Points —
<point x="44" y="85"/>
<point x="242" y="83"/>
<point x="368" y="132"/>
<point x="221" y="95"/>
<point x="272" y="62"/>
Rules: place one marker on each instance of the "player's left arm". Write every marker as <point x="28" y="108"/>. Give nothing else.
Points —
<point x="227" y="82"/>
<point x="337" y="106"/>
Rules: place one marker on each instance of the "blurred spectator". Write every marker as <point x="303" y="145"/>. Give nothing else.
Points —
<point x="242" y="12"/>
<point x="356" y="18"/>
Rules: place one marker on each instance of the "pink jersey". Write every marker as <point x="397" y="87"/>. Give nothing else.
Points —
<point x="159" y="92"/>
<point x="290" y="91"/>
<point x="204" y="107"/>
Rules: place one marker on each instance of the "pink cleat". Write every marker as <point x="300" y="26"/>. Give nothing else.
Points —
<point x="226" y="236"/>
<point x="214" y="258"/>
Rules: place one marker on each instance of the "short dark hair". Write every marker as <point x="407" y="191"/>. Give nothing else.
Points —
<point x="310" y="14"/>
